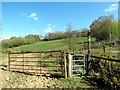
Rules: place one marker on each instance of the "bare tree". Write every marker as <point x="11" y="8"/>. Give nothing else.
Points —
<point x="69" y="35"/>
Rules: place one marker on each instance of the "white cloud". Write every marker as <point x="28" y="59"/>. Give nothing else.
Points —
<point x="50" y="25"/>
<point x="33" y="16"/>
<point x="112" y="7"/>
<point x="48" y="30"/>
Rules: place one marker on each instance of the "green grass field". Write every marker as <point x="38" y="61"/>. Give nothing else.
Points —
<point x="61" y="44"/>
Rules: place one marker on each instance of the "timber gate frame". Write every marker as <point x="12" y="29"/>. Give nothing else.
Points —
<point x="48" y="62"/>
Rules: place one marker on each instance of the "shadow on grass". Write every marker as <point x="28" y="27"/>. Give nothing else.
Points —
<point x="98" y="83"/>
<point x="34" y="74"/>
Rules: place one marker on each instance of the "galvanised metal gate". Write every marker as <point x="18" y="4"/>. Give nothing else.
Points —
<point x="76" y="64"/>
<point x="46" y="62"/>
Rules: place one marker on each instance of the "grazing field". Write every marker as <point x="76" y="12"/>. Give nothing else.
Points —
<point x="54" y="45"/>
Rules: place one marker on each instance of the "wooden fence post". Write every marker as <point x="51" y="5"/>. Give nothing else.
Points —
<point x="89" y="52"/>
<point x="62" y="58"/>
<point x="8" y="61"/>
<point x="65" y="65"/>
<point x="69" y="65"/>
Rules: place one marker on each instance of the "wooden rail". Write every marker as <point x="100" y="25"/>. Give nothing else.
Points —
<point x="39" y="57"/>
<point x="20" y="63"/>
<point x="36" y="52"/>
<point x="108" y="59"/>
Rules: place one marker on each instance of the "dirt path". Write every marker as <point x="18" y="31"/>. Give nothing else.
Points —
<point x="19" y="80"/>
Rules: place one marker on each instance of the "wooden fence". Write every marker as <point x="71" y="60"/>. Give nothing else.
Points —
<point x="46" y="62"/>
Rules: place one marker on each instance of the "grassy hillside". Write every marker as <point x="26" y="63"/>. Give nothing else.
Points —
<point x="53" y="45"/>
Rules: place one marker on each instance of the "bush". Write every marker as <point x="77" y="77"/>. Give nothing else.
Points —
<point x="14" y="42"/>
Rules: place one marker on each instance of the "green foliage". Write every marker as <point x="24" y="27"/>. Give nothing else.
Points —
<point x="54" y="36"/>
<point x="35" y="37"/>
<point x="18" y="41"/>
<point x="109" y="75"/>
<point x="104" y="28"/>
<point x="114" y="29"/>
<point x="108" y="72"/>
<point x="119" y="29"/>
<point x="84" y="32"/>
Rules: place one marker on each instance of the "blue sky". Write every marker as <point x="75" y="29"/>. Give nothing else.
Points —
<point x="23" y="18"/>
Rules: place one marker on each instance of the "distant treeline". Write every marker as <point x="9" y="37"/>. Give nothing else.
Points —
<point x="30" y="39"/>
<point x="63" y="35"/>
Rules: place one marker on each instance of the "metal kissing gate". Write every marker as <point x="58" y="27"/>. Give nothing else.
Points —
<point x="76" y="65"/>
